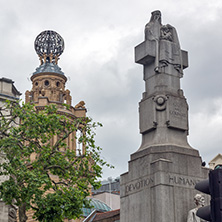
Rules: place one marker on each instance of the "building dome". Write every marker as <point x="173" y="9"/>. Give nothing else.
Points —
<point x="49" y="45"/>
<point x="96" y="205"/>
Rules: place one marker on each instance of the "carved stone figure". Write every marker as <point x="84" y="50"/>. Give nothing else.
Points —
<point x="167" y="50"/>
<point x="27" y="96"/>
<point x="152" y="33"/>
<point x="199" y="201"/>
<point x="164" y="152"/>
<point x="68" y="98"/>
<point x="80" y="105"/>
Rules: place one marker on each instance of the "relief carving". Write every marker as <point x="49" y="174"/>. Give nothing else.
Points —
<point x="27" y="96"/>
<point x="199" y="201"/>
<point x="167" y="50"/>
<point x="138" y="185"/>
<point x="160" y="102"/>
<point x="177" y="113"/>
<point x="80" y="105"/>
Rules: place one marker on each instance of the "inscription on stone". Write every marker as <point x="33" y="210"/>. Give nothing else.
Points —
<point x="177" y="113"/>
<point x="160" y="179"/>
<point x="138" y="185"/>
<point x="182" y="181"/>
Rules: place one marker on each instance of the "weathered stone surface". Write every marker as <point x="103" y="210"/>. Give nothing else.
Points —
<point x="8" y="91"/>
<point x="145" y="54"/>
<point x="159" y="185"/>
<point x="177" y="113"/>
<point x="147" y="122"/>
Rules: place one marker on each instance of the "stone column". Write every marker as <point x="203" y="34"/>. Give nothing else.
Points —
<point x="159" y="185"/>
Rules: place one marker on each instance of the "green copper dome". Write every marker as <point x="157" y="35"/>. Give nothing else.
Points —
<point x="96" y="205"/>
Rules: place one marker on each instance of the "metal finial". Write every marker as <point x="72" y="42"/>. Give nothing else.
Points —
<point x="49" y="45"/>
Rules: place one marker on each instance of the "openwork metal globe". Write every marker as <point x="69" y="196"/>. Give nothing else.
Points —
<point x="49" y="45"/>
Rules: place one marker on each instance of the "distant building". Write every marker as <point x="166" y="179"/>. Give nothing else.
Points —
<point x="97" y="205"/>
<point x="109" y="193"/>
<point x="215" y="161"/>
<point x="7" y="92"/>
<point x="111" y="199"/>
<point x="49" y="87"/>
<point x="110" y="216"/>
<point x="111" y="185"/>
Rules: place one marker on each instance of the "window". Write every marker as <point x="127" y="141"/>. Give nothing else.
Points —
<point x="57" y="84"/>
<point x="46" y="82"/>
<point x="79" y="146"/>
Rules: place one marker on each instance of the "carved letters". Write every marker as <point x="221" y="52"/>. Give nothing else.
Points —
<point x="164" y="179"/>
<point x="177" y="115"/>
<point x="138" y="185"/>
<point x="182" y="181"/>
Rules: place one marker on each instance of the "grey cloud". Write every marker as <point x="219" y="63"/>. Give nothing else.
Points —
<point x="109" y="81"/>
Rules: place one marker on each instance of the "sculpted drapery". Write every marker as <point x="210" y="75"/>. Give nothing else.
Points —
<point x="167" y="50"/>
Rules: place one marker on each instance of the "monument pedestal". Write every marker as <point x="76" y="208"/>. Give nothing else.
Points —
<point x="159" y="186"/>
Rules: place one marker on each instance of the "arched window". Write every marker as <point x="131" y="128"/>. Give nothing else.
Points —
<point x="79" y="144"/>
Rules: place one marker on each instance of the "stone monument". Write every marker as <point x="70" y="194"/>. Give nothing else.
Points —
<point x="159" y="185"/>
<point x="192" y="215"/>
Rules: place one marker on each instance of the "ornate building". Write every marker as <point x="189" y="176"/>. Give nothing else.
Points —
<point x="48" y="81"/>
<point x="48" y="86"/>
<point x="8" y="91"/>
<point x="217" y="160"/>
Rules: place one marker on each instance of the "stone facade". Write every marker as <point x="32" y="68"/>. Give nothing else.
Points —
<point x="9" y="92"/>
<point x="159" y="185"/>
<point x="217" y="160"/>
<point x="49" y="87"/>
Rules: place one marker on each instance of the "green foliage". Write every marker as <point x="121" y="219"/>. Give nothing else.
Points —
<point x="47" y="177"/>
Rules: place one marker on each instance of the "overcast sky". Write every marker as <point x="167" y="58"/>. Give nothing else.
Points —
<point x="100" y="36"/>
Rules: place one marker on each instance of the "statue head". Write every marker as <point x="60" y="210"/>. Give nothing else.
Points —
<point x="199" y="200"/>
<point x="155" y="16"/>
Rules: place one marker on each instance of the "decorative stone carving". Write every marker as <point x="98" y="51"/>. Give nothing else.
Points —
<point x="42" y="92"/>
<point x="68" y="97"/>
<point x="80" y="105"/>
<point x="166" y="33"/>
<point x="177" y="113"/>
<point x="199" y="201"/>
<point x="164" y="170"/>
<point x="160" y="102"/>
<point x="12" y="213"/>
<point x="167" y="51"/>
<point x="27" y="96"/>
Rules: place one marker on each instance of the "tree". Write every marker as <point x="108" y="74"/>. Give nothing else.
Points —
<point x="47" y="177"/>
